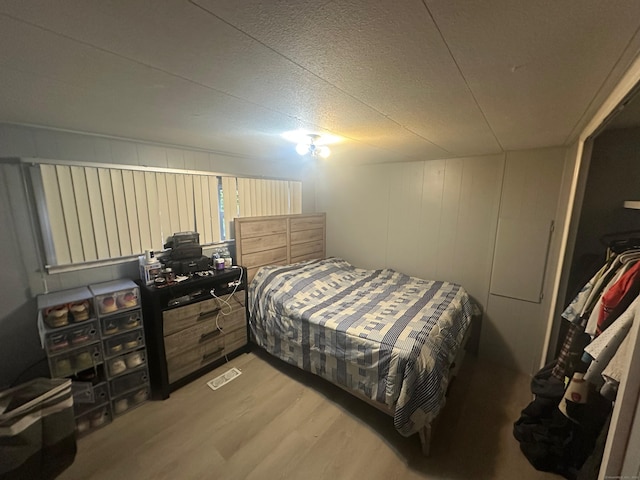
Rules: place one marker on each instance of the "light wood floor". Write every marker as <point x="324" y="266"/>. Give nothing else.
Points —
<point x="274" y="421"/>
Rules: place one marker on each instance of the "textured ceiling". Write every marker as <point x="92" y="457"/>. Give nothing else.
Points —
<point x="398" y="80"/>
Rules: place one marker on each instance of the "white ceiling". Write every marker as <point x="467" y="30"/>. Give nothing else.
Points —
<point x="399" y="80"/>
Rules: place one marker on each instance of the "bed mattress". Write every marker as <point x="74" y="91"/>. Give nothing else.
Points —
<point x="380" y="333"/>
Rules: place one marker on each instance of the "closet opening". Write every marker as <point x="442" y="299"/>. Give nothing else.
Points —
<point x="604" y="230"/>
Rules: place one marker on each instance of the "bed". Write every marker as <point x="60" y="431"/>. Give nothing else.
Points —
<point x="387" y="338"/>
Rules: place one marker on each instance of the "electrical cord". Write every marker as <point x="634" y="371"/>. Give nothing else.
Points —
<point x="229" y="296"/>
<point x="226" y="302"/>
<point x="26" y="370"/>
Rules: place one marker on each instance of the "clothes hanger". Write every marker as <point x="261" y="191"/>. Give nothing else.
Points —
<point x="619" y="242"/>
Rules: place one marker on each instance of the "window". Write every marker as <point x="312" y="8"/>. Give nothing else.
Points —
<point x="90" y="213"/>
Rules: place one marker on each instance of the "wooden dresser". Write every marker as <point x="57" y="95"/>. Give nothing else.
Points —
<point x="189" y="331"/>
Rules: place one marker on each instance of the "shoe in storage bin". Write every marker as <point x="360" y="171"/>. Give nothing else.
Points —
<point x="93" y="419"/>
<point x="126" y="402"/>
<point x="123" y="343"/>
<point x="60" y="309"/>
<point x="68" y="363"/>
<point x="115" y="296"/>
<point x="128" y="382"/>
<point x="72" y="336"/>
<point x="124" y="363"/>
<point x="90" y="397"/>
<point x="121" y="323"/>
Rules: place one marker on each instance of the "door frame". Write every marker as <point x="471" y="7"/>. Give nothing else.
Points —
<point x="620" y="435"/>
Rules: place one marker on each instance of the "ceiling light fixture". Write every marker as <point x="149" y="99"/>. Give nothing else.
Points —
<point x="309" y="146"/>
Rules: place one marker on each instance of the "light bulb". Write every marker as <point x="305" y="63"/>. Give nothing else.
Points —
<point x="324" y="151"/>
<point x="302" y="149"/>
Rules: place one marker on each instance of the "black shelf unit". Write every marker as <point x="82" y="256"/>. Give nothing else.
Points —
<point x="157" y="300"/>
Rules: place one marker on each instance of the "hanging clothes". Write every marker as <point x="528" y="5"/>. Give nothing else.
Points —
<point x="626" y="288"/>
<point x="558" y="429"/>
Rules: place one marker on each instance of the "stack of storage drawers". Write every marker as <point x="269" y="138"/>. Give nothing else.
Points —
<point x="95" y="337"/>
<point x="70" y="334"/>
<point x="121" y="330"/>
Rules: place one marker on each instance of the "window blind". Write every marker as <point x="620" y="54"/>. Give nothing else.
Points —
<point x="260" y="197"/>
<point x="104" y="213"/>
<point x="92" y="213"/>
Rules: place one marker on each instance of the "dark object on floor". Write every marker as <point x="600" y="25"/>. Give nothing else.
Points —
<point x="37" y="430"/>
<point x="552" y="442"/>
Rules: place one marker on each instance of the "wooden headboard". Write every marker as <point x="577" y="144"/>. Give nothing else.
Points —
<point x="279" y="240"/>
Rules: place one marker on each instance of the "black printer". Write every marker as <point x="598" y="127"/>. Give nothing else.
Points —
<point x="186" y="254"/>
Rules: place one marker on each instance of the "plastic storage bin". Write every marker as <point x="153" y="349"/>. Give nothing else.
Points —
<point x="116" y="296"/>
<point x="128" y="382"/>
<point x="123" y="343"/>
<point x="72" y="336"/>
<point x="68" y="363"/>
<point x="126" y="402"/>
<point x="93" y="419"/>
<point x="64" y="308"/>
<point x="37" y="438"/>
<point x="87" y="399"/>
<point x="117" y="324"/>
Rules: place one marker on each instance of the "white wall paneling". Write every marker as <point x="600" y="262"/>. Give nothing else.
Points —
<point x="520" y="259"/>
<point x="405" y="187"/>
<point x="356" y="200"/>
<point x="438" y="220"/>
<point x="512" y="333"/>
<point x="433" y="219"/>
<point x="530" y="193"/>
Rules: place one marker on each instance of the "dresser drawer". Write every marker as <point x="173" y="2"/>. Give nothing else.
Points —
<point x="233" y="321"/>
<point x="195" y="358"/>
<point x="187" y="362"/>
<point x="183" y="317"/>
<point x="190" y="337"/>
<point x="235" y="340"/>
<point x="237" y="300"/>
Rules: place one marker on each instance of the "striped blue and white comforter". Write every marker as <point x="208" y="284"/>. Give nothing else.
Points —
<point x="381" y="333"/>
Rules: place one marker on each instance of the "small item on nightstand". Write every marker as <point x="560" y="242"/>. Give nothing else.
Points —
<point x="218" y="263"/>
<point x="226" y="256"/>
<point x="169" y="276"/>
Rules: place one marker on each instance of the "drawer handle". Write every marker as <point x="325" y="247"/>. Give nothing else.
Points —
<point x="207" y="356"/>
<point x="208" y="313"/>
<point x="207" y="336"/>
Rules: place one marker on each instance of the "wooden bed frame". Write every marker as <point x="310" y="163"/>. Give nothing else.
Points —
<point x="279" y="240"/>
<point x="286" y="239"/>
